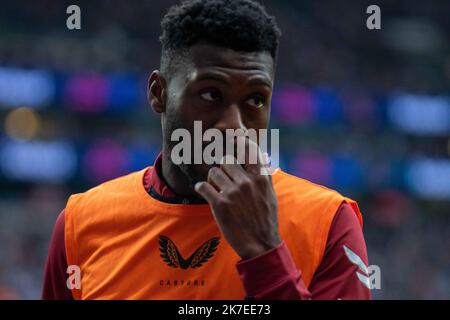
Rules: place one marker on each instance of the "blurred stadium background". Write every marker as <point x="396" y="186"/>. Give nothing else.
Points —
<point x="364" y="112"/>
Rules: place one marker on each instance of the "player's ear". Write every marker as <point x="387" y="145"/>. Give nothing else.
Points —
<point x="156" y="92"/>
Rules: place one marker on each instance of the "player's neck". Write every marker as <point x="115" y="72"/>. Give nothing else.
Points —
<point x="175" y="178"/>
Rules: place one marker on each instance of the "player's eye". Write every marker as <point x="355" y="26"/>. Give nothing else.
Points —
<point x="210" y="95"/>
<point x="256" y="101"/>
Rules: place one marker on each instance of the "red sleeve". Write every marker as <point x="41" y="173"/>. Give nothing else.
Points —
<point x="55" y="276"/>
<point x="336" y="277"/>
<point x="274" y="275"/>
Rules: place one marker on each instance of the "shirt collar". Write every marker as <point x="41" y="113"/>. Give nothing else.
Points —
<point x="158" y="188"/>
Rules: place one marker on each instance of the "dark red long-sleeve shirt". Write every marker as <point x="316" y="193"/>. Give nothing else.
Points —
<point x="273" y="275"/>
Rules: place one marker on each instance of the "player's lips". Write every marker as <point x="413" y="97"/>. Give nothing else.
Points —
<point x="224" y="153"/>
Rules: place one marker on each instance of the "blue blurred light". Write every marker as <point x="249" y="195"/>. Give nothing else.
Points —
<point x="347" y="173"/>
<point x="124" y="92"/>
<point x="429" y="178"/>
<point x="329" y="109"/>
<point x="38" y="161"/>
<point x="142" y="156"/>
<point x="18" y="87"/>
<point x="422" y="115"/>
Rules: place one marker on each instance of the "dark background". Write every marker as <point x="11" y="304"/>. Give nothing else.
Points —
<point x="366" y="112"/>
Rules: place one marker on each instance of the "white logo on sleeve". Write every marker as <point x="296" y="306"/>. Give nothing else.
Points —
<point x="371" y="276"/>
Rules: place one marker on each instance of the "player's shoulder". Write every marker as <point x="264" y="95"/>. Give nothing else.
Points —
<point x="117" y="187"/>
<point x="293" y="191"/>
<point x="287" y="184"/>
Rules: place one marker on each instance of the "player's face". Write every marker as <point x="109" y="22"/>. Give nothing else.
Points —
<point x="222" y="88"/>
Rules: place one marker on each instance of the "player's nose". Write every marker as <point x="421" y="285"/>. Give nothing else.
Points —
<point x="231" y="118"/>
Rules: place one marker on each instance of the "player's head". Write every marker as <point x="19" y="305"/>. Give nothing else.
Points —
<point x="217" y="66"/>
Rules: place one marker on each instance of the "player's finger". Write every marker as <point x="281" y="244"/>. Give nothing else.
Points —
<point x="207" y="191"/>
<point x="219" y="179"/>
<point x="233" y="169"/>
<point x="255" y="162"/>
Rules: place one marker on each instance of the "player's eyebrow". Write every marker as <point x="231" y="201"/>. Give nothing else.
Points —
<point x="260" y="80"/>
<point x="255" y="80"/>
<point x="212" y="76"/>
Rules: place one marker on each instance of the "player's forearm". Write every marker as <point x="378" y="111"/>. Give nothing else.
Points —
<point x="273" y="275"/>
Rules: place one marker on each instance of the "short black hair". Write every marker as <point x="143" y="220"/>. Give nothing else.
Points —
<point x="241" y="25"/>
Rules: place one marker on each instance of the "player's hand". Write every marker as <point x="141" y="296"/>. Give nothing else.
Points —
<point x="244" y="204"/>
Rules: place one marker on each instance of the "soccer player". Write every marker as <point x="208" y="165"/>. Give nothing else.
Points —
<point x="210" y="232"/>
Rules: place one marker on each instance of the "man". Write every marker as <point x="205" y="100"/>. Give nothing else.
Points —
<point x="210" y="232"/>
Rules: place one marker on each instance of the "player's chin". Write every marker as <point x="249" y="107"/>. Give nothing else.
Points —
<point x="204" y="168"/>
<point x="200" y="171"/>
